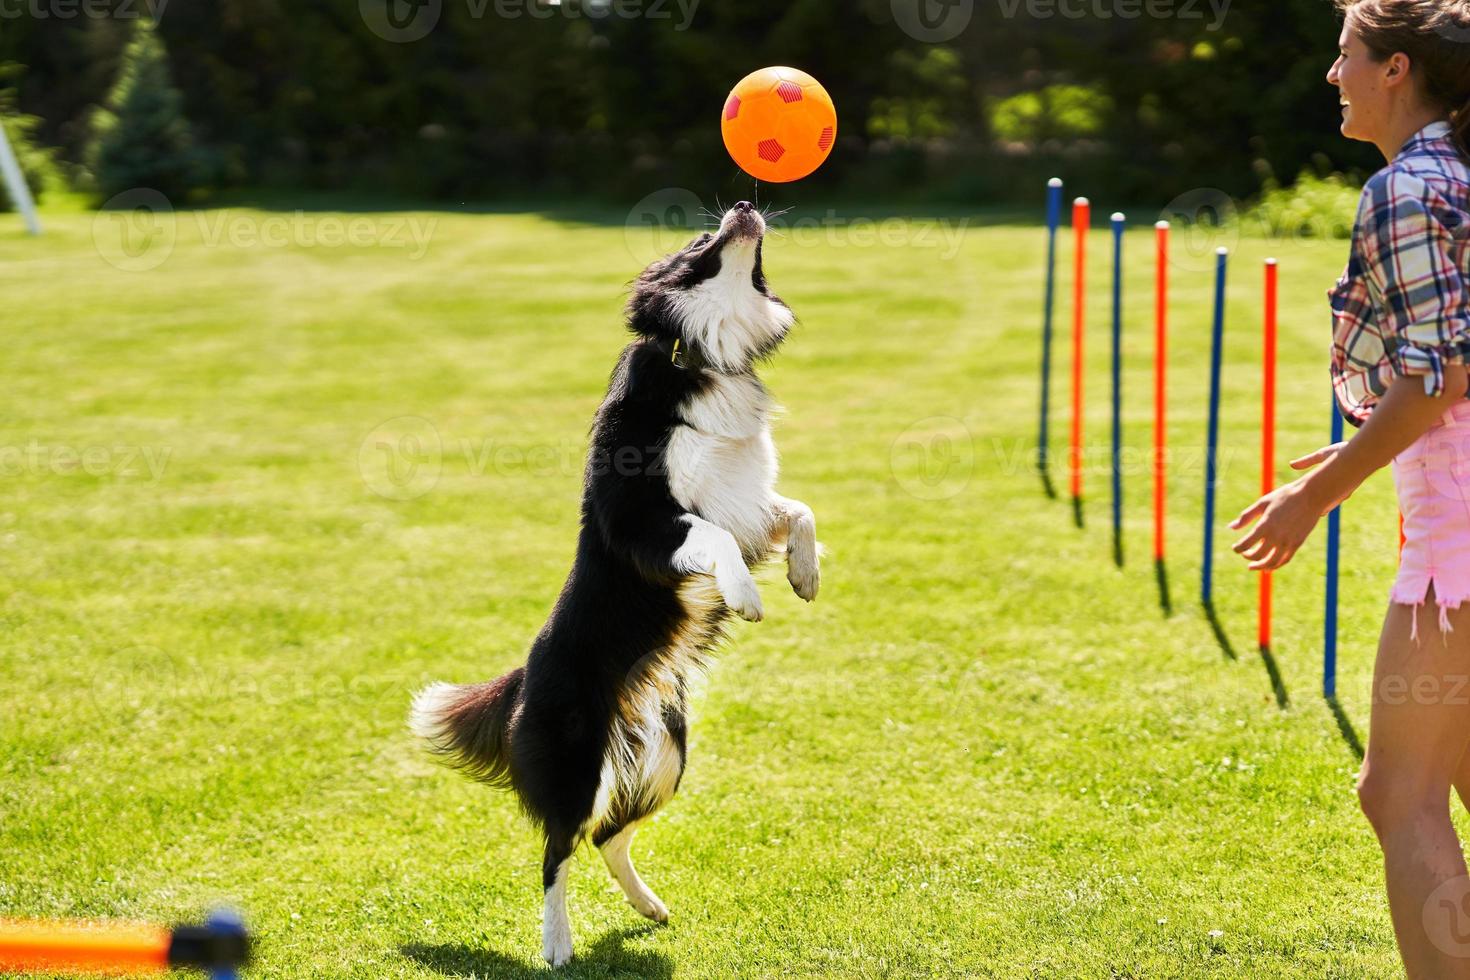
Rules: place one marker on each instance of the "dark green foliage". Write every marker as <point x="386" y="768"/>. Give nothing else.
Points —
<point x="140" y="136"/>
<point x="37" y="163"/>
<point x="508" y="97"/>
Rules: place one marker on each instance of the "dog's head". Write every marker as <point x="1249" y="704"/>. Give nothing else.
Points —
<point x="712" y="297"/>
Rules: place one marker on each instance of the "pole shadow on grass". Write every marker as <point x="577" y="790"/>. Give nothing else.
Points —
<point x="1046" y="484"/>
<point x="1278" y="687"/>
<point x="1219" y="630"/>
<point x="1161" y="573"/>
<point x="604" y="957"/>
<point x="1345" y="727"/>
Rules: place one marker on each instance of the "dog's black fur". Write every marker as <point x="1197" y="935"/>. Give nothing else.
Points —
<point x="633" y="620"/>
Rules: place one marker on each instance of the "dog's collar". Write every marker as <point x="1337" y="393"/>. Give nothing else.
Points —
<point x="685" y="357"/>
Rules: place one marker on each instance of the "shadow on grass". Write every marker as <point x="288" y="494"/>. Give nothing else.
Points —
<point x="1345" y="728"/>
<point x="1268" y="660"/>
<point x="1278" y="687"/>
<point x="1046" y="484"/>
<point x="1219" y="631"/>
<point x="605" y="957"/>
<point x="1161" y="572"/>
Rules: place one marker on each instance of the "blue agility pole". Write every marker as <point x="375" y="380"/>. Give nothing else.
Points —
<point x="1053" y="222"/>
<point x="1334" y="541"/>
<point x="1118" y="222"/>
<point x="1212" y="443"/>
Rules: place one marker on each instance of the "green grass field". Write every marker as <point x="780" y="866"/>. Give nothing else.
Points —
<point x="253" y="497"/>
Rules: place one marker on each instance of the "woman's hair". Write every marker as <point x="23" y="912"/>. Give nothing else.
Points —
<point x="1435" y="35"/>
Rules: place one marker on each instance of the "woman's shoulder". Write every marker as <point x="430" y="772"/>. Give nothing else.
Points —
<point x="1413" y="184"/>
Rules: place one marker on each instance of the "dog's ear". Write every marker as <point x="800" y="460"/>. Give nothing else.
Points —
<point x="647" y="311"/>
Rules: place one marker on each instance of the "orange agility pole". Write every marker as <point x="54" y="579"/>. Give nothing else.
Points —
<point x="220" y="947"/>
<point x="1081" y="218"/>
<point x="1161" y="361"/>
<point x="81" y="947"/>
<point x="1268" y="436"/>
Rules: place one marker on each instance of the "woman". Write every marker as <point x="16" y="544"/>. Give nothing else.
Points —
<point x="1401" y="337"/>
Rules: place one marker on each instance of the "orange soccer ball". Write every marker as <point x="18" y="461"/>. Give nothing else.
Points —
<point x="779" y="124"/>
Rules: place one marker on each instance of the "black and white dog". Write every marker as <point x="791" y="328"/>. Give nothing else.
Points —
<point x="678" y="505"/>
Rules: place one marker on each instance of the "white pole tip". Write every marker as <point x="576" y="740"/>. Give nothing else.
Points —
<point x="1162" y="225"/>
<point x="1119" y="216"/>
<point x="1222" y="250"/>
<point x="1270" y="261"/>
<point x="1081" y="201"/>
<point x="1054" y="182"/>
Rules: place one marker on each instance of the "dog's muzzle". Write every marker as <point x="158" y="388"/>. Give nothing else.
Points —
<point x="744" y="221"/>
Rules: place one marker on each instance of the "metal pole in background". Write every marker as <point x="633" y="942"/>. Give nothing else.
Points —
<point x="15" y="184"/>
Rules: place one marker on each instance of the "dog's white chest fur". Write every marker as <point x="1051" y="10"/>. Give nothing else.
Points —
<point x="722" y="462"/>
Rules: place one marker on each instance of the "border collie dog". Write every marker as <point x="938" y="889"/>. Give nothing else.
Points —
<point x="678" y="506"/>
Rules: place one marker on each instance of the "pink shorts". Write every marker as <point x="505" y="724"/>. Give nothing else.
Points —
<point x="1433" y="481"/>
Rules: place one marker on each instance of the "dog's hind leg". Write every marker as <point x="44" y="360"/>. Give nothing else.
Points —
<point x="615" y="852"/>
<point x="556" y="928"/>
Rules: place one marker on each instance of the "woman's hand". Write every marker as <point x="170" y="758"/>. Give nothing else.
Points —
<point x="1287" y="515"/>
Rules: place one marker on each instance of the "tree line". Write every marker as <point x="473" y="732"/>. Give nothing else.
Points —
<point x="1136" y="100"/>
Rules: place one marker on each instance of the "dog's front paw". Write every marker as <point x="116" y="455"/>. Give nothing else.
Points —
<point x="556" y="940"/>
<point x="557" y="950"/>
<point x="743" y="598"/>
<point x="651" y="907"/>
<point x="804" y="574"/>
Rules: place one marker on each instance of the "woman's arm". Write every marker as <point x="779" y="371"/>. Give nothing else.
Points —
<point x="1288" y="514"/>
<point x="1409" y="257"/>
<point x="1403" y="415"/>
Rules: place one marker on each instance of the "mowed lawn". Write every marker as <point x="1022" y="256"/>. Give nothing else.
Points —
<point x="256" y="495"/>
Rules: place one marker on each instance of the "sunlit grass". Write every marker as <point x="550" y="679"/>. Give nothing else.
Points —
<point x="254" y="496"/>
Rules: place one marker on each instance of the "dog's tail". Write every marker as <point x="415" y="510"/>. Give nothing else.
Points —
<point x="469" y="725"/>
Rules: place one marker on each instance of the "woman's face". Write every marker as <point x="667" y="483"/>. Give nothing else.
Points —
<point x="1359" y="80"/>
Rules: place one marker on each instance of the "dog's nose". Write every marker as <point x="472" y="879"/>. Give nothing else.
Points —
<point x="744" y="206"/>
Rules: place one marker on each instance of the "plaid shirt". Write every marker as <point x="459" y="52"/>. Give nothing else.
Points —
<point x="1403" y="305"/>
